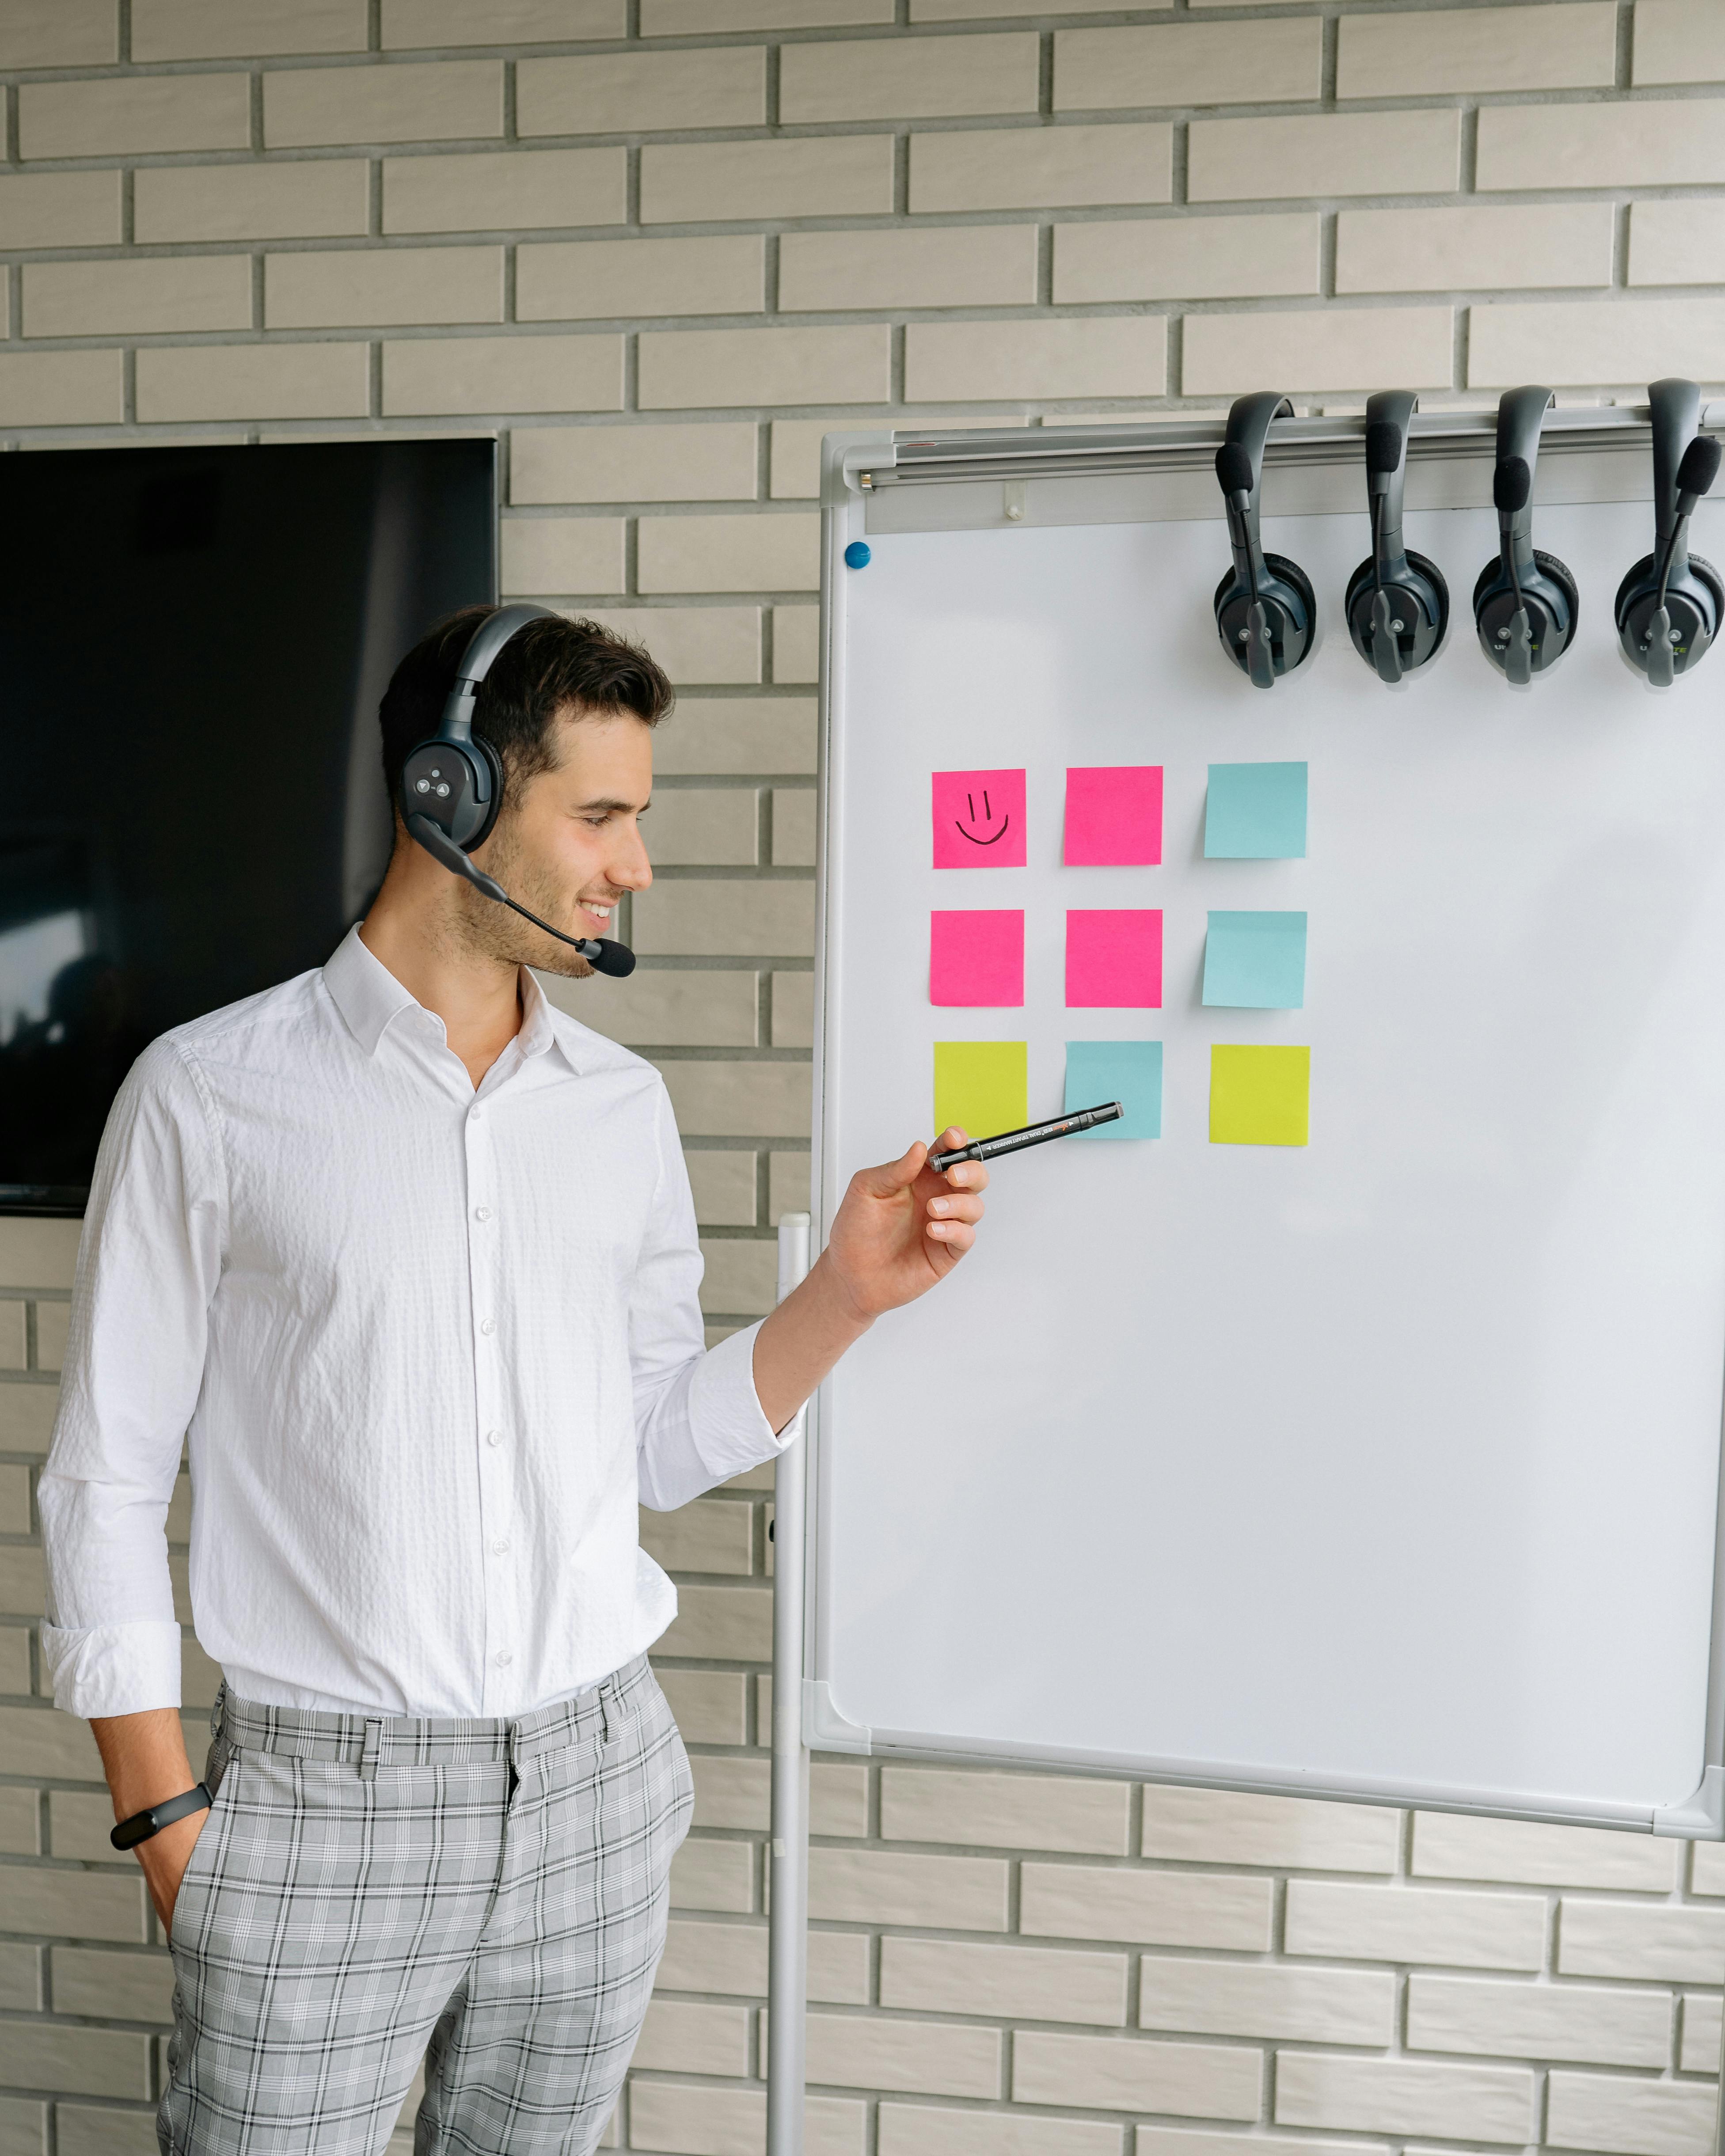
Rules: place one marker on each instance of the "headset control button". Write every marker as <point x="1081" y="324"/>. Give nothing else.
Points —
<point x="422" y="785"/>
<point x="443" y="789"/>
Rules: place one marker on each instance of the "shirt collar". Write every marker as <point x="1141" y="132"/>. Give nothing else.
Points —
<point x="370" y="999"/>
<point x="363" y="989"/>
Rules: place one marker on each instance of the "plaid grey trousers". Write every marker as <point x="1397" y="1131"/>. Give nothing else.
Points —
<point x="489" y="1895"/>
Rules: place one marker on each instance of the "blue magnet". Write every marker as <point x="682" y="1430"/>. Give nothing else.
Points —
<point x="856" y="555"/>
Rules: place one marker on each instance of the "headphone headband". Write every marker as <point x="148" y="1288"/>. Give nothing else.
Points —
<point x="1521" y="415"/>
<point x="1674" y="406"/>
<point x="1396" y="407"/>
<point x="476" y="661"/>
<point x="1249" y="420"/>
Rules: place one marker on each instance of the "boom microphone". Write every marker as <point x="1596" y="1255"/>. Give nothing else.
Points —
<point x="1383" y="453"/>
<point x="600" y="953"/>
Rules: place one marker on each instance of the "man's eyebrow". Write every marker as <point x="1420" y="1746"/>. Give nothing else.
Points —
<point x="611" y="807"/>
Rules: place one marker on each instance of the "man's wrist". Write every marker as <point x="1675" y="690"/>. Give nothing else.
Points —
<point x="143" y="1826"/>
<point x="838" y="1289"/>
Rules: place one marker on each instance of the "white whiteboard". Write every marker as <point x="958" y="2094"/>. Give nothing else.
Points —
<point x="1386" y="1467"/>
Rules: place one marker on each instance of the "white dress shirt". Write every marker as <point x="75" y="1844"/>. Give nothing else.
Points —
<point x="427" y="1344"/>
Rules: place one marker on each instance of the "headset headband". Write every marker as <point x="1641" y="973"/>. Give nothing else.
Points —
<point x="1249" y="421"/>
<point x="1521" y="415"/>
<point x="1396" y="407"/>
<point x="483" y="646"/>
<point x="1675" y="406"/>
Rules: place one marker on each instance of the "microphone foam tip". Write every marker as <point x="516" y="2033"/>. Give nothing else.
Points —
<point x="1384" y="446"/>
<point x="1512" y="483"/>
<point x="1234" y="467"/>
<point x="1700" y="466"/>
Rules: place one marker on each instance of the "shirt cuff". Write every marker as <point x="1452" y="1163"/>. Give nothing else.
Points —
<point x="731" y="1429"/>
<point x="113" y="1669"/>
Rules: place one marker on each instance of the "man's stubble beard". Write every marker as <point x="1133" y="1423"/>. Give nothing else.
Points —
<point x="488" y="930"/>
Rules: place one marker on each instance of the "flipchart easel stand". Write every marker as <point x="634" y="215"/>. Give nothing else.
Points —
<point x="787" y="1869"/>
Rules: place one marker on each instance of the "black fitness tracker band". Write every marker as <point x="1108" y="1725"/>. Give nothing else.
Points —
<point x="141" y="1826"/>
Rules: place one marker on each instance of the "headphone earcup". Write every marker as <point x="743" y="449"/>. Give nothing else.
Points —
<point x="1439" y="612"/>
<point x="1559" y="574"/>
<point x="1641" y="581"/>
<point x="1286" y="592"/>
<point x="1302" y="614"/>
<point x="1695" y="603"/>
<point x="458" y="785"/>
<point x="1553" y="607"/>
<point x="1426" y="594"/>
<point x="1714" y="585"/>
<point x="489" y="814"/>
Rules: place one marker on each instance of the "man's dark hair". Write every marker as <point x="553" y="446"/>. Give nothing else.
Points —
<point x="548" y="668"/>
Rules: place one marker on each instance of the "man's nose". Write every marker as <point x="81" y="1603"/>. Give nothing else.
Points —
<point x="629" y="868"/>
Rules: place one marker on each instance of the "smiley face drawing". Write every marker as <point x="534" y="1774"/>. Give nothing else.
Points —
<point x="982" y="830"/>
<point x="979" y="819"/>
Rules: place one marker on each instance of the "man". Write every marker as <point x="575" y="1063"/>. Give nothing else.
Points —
<point x="409" y="1257"/>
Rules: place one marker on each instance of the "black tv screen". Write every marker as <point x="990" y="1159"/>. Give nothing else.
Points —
<point x="193" y="645"/>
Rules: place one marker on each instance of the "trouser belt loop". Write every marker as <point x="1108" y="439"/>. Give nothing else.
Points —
<point x="607" y="1703"/>
<point x="370" y="1749"/>
<point x="215" y="1712"/>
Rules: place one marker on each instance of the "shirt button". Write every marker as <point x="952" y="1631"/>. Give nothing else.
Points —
<point x="500" y="1547"/>
<point x="505" y="1659"/>
<point x="481" y="1212"/>
<point x="494" y="1437"/>
<point x="488" y="1324"/>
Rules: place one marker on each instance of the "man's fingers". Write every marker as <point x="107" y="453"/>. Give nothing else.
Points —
<point x="954" y="1235"/>
<point x="959" y="1207"/>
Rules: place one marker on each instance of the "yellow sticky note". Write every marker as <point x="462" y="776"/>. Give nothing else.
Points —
<point x="983" y="1086"/>
<point x="1259" y="1095"/>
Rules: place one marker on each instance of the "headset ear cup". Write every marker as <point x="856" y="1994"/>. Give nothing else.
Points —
<point x="1559" y="574"/>
<point x="1641" y="581"/>
<point x="487" y="823"/>
<point x="1298" y="643"/>
<point x="1715" y="583"/>
<point x="1423" y="566"/>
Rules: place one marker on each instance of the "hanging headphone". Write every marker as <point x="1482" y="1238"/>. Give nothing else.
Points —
<point x="1397" y="602"/>
<point x="1265" y="608"/>
<point x="1669" y="605"/>
<point x="452" y="786"/>
<point x="1525" y="604"/>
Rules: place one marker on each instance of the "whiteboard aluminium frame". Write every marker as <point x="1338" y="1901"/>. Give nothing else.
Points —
<point x="930" y="481"/>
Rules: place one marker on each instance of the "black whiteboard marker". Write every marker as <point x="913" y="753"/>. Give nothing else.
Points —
<point x="1062" y="1126"/>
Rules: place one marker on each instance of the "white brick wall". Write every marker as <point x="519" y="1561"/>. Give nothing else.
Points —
<point x="660" y="246"/>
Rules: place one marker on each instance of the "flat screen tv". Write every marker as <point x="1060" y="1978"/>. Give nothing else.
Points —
<point x="193" y="645"/>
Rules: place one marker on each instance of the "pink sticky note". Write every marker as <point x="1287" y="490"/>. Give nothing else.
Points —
<point x="980" y="819"/>
<point x="1114" y="816"/>
<point x="1114" y="959"/>
<point x="977" y="958"/>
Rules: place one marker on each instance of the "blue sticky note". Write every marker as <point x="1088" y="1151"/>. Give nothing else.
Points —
<point x="1255" y="812"/>
<point x="1129" y="1071"/>
<point x="1256" y="961"/>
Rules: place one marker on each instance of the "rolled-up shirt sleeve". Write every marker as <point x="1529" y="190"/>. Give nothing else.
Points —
<point x="148" y="1263"/>
<point x="698" y="1420"/>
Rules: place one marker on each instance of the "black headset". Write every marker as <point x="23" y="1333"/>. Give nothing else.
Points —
<point x="1397" y="602"/>
<point x="1525" y="604"/>
<point x="452" y="785"/>
<point x="1265" y="609"/>
<point x="1669" y="605"/>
